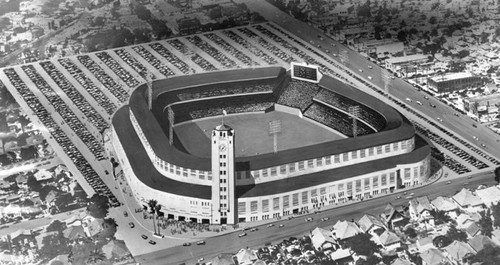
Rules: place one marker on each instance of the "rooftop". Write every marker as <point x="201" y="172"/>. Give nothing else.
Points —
<point x="451" y="76"/>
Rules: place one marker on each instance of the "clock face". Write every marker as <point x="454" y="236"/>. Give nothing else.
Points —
<point x="222" y="147"/>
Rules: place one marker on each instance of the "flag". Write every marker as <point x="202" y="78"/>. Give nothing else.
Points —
<point x="224" y="112"/>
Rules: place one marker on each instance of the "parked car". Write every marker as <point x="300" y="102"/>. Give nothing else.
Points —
<point x="144" y="237"/>
<point x="242" y="234"/>
<point x="201" y="242"/>
<point x="186" y="244"/>
<point x="131" y="225"/>
<point x="152" y="242"/>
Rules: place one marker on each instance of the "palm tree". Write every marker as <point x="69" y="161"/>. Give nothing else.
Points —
<point x="157" y="210"/>
<point x="95" y="256"/>
<point x="152" y="206"/>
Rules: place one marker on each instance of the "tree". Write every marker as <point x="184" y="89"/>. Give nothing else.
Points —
<point x="440" y="217"/>
<point x="33" y="184"/>
<point x="95" y="256"/>
<point x="441" y="241"/>
<point x="45" y="190"/>
<point x="362" y="245"/>
<point x="410" y="232"/>
<point x="432" y="20"/>
<point x="485" y="223"/>
<point x="402" y="36"/>
<point x="455" y="234"/>
<point x="489" y="255"/>
<point x="497" y="174"/>
<point x="54" y="245"/>
<point x="495" y="212"/>
<point x="99" y="206"/>
<point x="56" y="225"/>
<point x="152" y="207"/>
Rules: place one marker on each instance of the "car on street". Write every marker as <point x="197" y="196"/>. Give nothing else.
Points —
<point x="242" y="234"/>
<point x="361" y="70"/>
<point x="469" y="177"/>
<point x="448" y="182"/>
<point x="270" y="225"/>
<point x="201" y="259"/>
<point x="125" y="213"/>
<point x="152" y="242"/>
<point x="254" y="229"/>
<point x="144" y="236"/>
<point x="309" y="219"/>
<point x="408" y="99"/>
<point x="419" y="103"/>
<point x="369" y="66"/>
<point x="474" y="125"/>
<point x="186" y="244"/>
<point x="426" y="97"/>
<point x="369" y="77"/>
<point x="432" y="105"/>
<point x="201" y="242"/>
<point x="131" y="225"/>
<point x="281" y="225"/>
<point x="325" y="219"/>
<point x="398" y="197"/>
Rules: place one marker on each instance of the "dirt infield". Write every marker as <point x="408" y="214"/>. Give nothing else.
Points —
<point x="252" y="133"/>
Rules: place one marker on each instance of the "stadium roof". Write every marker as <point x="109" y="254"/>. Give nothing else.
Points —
<point x="147" y="173"/>
<point x="397" y="128"/>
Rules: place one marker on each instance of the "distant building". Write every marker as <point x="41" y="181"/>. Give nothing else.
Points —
<point x="401" y="64"/>
<point x="442" y="84"/>
<point x="482" y="105"/>
<point x="187" y="26"/>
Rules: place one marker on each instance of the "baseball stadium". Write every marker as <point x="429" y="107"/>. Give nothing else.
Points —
<point x="298" y="145"/>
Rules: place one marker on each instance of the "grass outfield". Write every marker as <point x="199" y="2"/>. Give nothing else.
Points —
<point x="252" y="133"/>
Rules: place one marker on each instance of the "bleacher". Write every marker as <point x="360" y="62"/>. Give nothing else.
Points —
<point x="343" y="103"/>
<point x="298" y="94"/>
<point x="336" y="120"/>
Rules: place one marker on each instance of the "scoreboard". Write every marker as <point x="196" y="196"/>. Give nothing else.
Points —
<point x="305" y="72"/>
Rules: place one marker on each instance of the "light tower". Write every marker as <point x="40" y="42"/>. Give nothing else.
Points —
<point x="386" y="79"/>
<point x="354" y="112"/>
<point x="223" y="183"/>
<point x="149" y="79"/>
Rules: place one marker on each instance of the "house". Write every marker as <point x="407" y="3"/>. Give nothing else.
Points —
<point x="433" y="257"/>
<point x="92" y="226"/>
<point x="400" y="261"/>
<point x="246" y="256"/>
<point x="467" y="201"/>
<point x="472" y="230"/>
<point x="389" y="240"/>
<point x="223" y="259"/>
<point x="42" y="175"/>
<point x="41" y="236"/>
<point x="392" y="218"/>
<point x="420" y="209"/>
<point x="489" y="196"/>
<point x="371" y="225"/>
<point x="463" y="221"/>
<point x="343" y="230"/>
<point x="478" y="242"/>
<point x="322" y="239"/>
<point x="458" y="250"/>
<point x="115" y="249"/>
<point x="74" y="232"/>
<point x="446" y="205"/>
<point x="424" y="244"/>
<point x="342" y="256"/>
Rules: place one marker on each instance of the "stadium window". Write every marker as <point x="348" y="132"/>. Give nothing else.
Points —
<point x="264" y="173"/>
<point x="371" y="150"/>
<point x="265" y="206"/>
<point x="395" y="146"/>
<point x="336" y="158"/>
<point x="310" y="163"/>
<point x="349" y="186"/>
<point x="301" y="165"/>
<point x="276" y="203"/>
<point x="340" y="186"/>
<point x="362" y="153"/>
<point x="358" y="185"/>
<point x="314" y="192"/>
<point x="392" y="178"/>
<point x="295" y="199"/>
<point x="345" y="157"/>
<point x="291" y="167"/>
<point x="322" y="191"/>
<point x="193" y="173"/>
<point x="286" y="201"/>
<point x="375" y="181"/>
<point x="201" y="176"/>
<point x="354" y="154"/>
<point x="247" y="174"/>
<point x="177" y="172"/>
<point x="407" y="173"/>
<point x="379" y="150"/>
<point x="328" y="160"/>
<point x="304" y="197"/>
<point x="403" y="145"/>
<point x="387" y="148"/>
<point x="256" y="173"/>
<point x="241" y="207"/>
<point x="283" y="169"/>
<point x="367" y="184"/>
<point x="273" y="171"/>
<point x="415" y="172"/>
<point x="238" y="174"/>
<point x="319" y="162"/>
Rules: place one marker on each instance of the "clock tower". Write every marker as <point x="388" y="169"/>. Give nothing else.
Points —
<point x="223" y="183"/>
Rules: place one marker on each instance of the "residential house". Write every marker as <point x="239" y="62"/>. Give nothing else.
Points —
<point x="472" y="230"/>
<point x="489" y="196"/>
<point x="342" y="257"/>
<point x="41" y="236"/>
<point x="458" y="250"/>
<point x="463" y="221"/>
<point x="322" y="239"/>
<point x="400" y="261"/>
<point x="445" y="204"/>
<point x="478" y="242"/>
<point x="467" y="201"/>
<point x="389" y="240"/>
<point x="74" y="233"/>
<point x="392" y="217"/>
<point x="424" y="244"/>
<point x="420" y="209"/>
<point x="371" y="225"/>
<point x="433" y="257"/>
<point x="223" y="259"/>
<point x="246" y="256"/>
<point x="92" y="226"/>
<point x="343" y="230"/>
